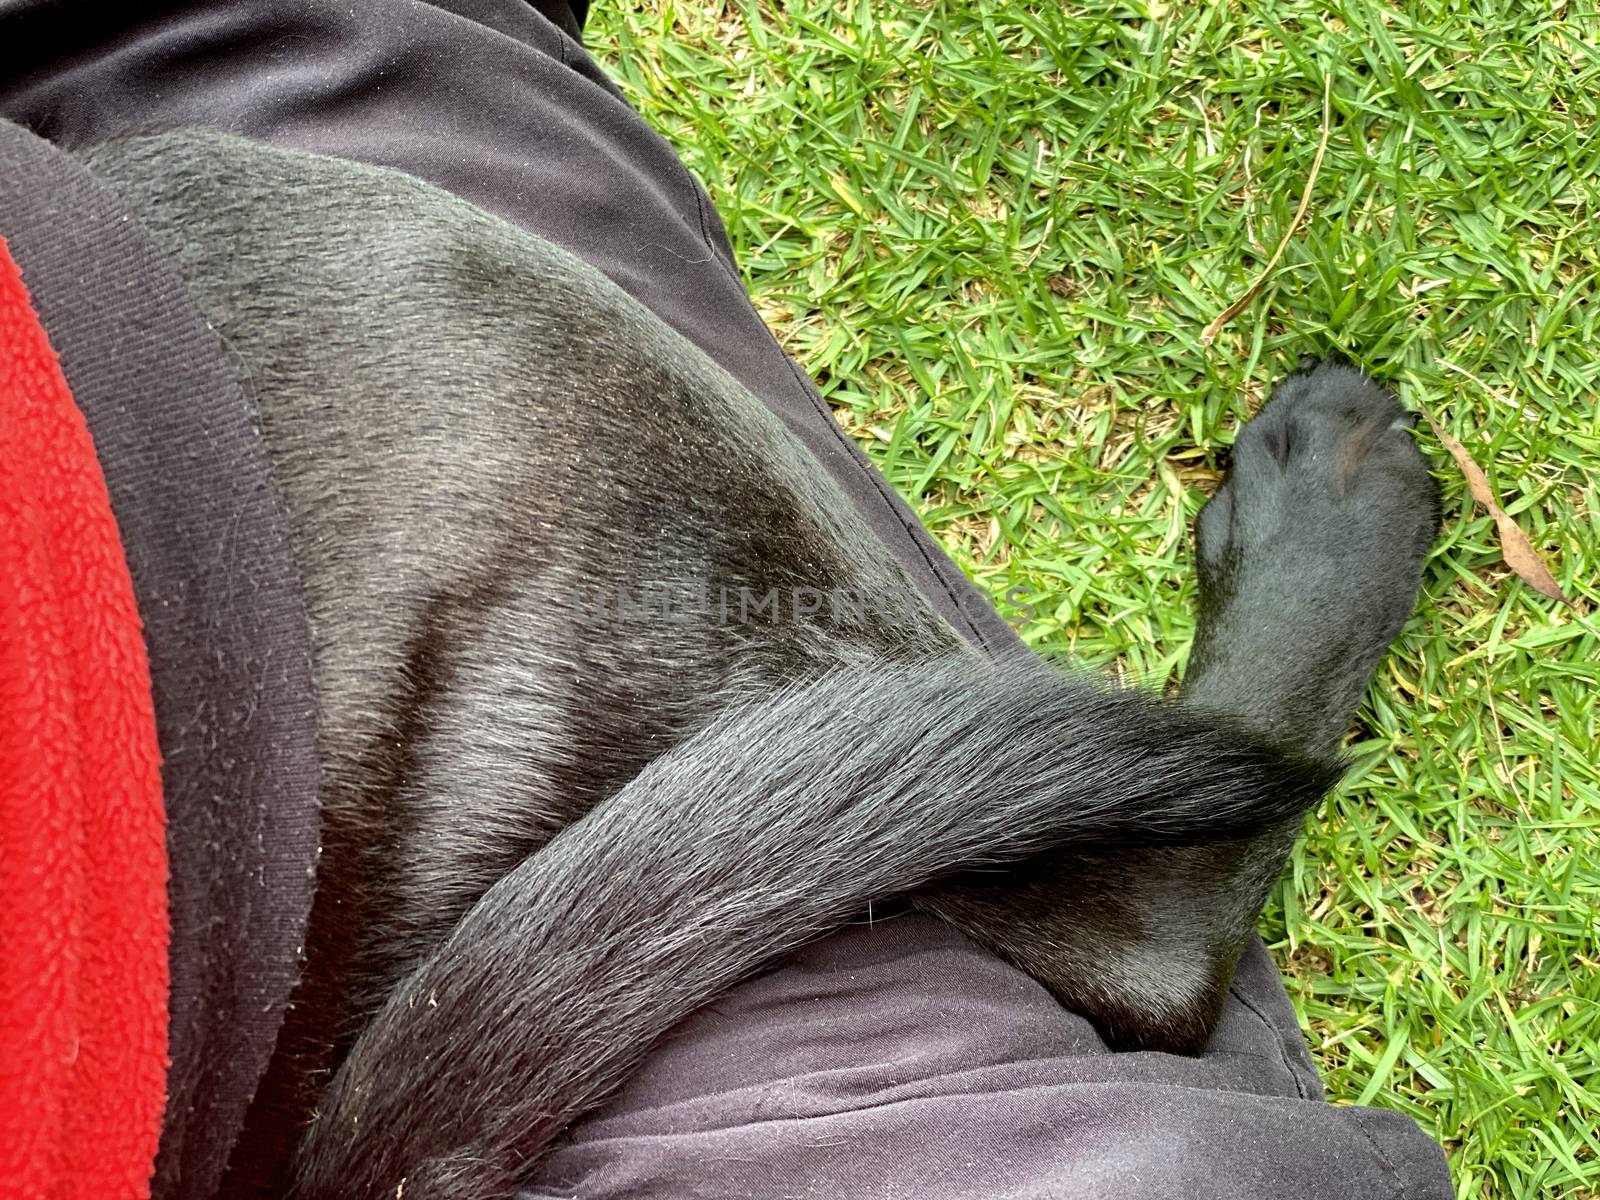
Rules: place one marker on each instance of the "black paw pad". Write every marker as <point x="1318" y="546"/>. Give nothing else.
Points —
<point x="1329" y="456"/>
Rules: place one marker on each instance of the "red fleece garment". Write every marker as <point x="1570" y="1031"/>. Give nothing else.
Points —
<point x="83" y="869"/>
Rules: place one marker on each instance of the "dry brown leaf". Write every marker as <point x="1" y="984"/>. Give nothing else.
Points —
<point x="1515" y="547"/>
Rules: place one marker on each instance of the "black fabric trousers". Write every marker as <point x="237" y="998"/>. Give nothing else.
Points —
<point x="566" y="15"/>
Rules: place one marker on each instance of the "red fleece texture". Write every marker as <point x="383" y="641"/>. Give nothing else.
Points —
<point x="83" y="868"/>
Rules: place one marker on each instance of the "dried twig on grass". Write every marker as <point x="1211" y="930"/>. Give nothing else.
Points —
<point x="1209" y="333"/>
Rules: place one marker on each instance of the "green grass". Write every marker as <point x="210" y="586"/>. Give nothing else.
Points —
<point x="993" y="232"/>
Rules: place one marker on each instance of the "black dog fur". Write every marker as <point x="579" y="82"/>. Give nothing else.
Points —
<point x="559" y="816"/>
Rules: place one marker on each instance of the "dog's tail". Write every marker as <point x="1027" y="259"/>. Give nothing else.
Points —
<point x="771" y="826"/>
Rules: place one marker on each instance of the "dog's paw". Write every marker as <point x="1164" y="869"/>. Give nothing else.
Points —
<point x="1327" y="466"/>
<point x="1310" y="552"/>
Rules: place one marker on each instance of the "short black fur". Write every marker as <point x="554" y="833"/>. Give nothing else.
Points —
<point x="557" y="819"/>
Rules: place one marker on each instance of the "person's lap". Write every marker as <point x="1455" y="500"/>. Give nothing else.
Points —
<point x="576" y="166"/>
<point x="881" y="1037"/>
<point x="900" y="1060"/>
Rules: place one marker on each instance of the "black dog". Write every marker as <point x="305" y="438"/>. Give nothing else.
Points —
<point x="621" y="701"/>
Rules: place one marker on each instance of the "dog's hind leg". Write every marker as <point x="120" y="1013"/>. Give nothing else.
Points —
<point x="1310" y="557"/>
<point x="1309" y="563"/>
